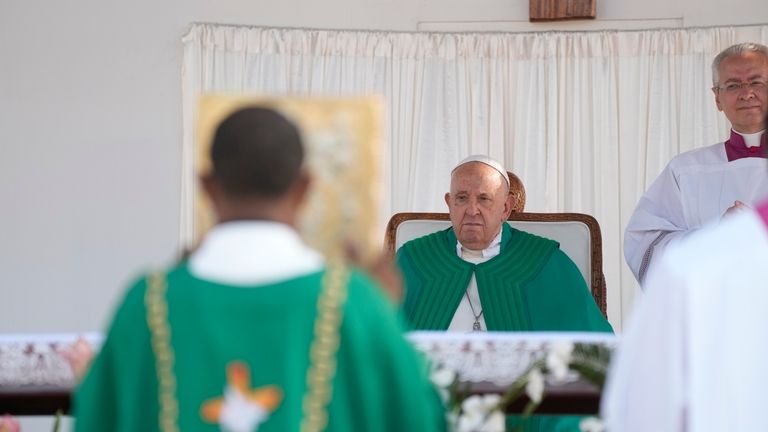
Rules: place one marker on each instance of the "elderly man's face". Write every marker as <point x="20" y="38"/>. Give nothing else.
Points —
<point x="741" y="94"/>
<point x="479" y="203"/>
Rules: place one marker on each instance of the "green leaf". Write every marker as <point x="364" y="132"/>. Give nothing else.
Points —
<point x="57" y="420"/>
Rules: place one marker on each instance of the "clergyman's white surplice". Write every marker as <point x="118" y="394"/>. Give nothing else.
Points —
<point x="695" y="188"/>
<point x="693" y="357"/>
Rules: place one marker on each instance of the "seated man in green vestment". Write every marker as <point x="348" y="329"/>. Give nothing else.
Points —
<point x="255" y="330"/>
<point x="482" y="274"/>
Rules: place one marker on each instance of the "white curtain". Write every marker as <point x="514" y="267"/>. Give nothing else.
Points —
<point x="586" y="119"/>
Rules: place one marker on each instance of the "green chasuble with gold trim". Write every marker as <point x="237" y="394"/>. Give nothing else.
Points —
<point x="530" y="286"/>
<point x="257" y="338"/>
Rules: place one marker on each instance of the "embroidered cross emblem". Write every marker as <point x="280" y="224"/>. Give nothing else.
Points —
<point x="241" y="409"/>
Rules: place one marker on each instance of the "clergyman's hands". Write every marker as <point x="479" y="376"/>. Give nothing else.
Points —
<point x="78" y="355"/>
<point x="737" y="207"/>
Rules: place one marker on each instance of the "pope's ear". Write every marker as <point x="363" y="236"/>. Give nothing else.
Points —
<point x="508" y="206"/>
<point x="448" y="199"/>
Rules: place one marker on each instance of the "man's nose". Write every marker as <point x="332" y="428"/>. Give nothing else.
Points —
<point x="747" y="93"/>
<point x="473" y="208"/>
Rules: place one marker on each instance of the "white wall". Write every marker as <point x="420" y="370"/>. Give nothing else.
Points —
<point x="90" y="126"/>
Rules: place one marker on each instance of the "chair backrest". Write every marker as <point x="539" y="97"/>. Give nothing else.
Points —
<point x="517" y="190"/>
<point x="578" y="234"/>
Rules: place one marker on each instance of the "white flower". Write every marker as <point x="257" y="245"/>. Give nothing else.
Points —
<point x="497" y="422"/>
<point x="481" y="414"/>
<point x="490" y="401"/>
<point x="468" y="423"/>
<point x="472" y="405"/>
<point x="452" y="418"/>
<point x="443" y="376"/>
<point x="559" y="358"/>
<point x="535" y="386"/>
<point x="591" y="424"/>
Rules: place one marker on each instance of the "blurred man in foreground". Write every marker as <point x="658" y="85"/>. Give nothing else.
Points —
<point x="256" y="331"/>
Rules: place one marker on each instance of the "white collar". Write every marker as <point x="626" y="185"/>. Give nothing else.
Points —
<point x="253" y="252"/>
<point x="491" y="251"/>
<point x="751" y="140"/>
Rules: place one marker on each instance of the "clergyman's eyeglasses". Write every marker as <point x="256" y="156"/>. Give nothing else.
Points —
<point x="736" y="87"/>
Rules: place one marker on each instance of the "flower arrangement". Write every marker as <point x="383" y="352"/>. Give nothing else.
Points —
<point x="485" y="413"/>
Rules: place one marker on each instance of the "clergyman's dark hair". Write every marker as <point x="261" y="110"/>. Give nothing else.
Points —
<point x="256" y="152"/>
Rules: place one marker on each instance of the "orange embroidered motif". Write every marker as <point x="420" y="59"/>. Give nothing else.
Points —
<point x="241" y="409"/>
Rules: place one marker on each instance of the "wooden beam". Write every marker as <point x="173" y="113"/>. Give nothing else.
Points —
<point x="555" y="10"/>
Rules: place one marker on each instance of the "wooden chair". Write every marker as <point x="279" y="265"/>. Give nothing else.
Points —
<point x="517" y="190"/>
<point x="578" y="234"/>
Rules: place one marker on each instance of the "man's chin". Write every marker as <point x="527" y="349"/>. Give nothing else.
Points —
<point x="474" y="243"/>
<point x="751" y="117"/>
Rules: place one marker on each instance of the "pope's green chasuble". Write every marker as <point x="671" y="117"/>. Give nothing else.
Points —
<point x="531" y="285"/>
<point x="257" y="339"/>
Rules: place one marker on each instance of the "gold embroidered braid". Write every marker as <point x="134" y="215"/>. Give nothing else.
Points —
<point x="160" y="333"/>
<point x="322" y="353"/>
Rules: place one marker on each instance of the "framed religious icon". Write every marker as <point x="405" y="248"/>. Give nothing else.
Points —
<point x="342" y="139"/>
